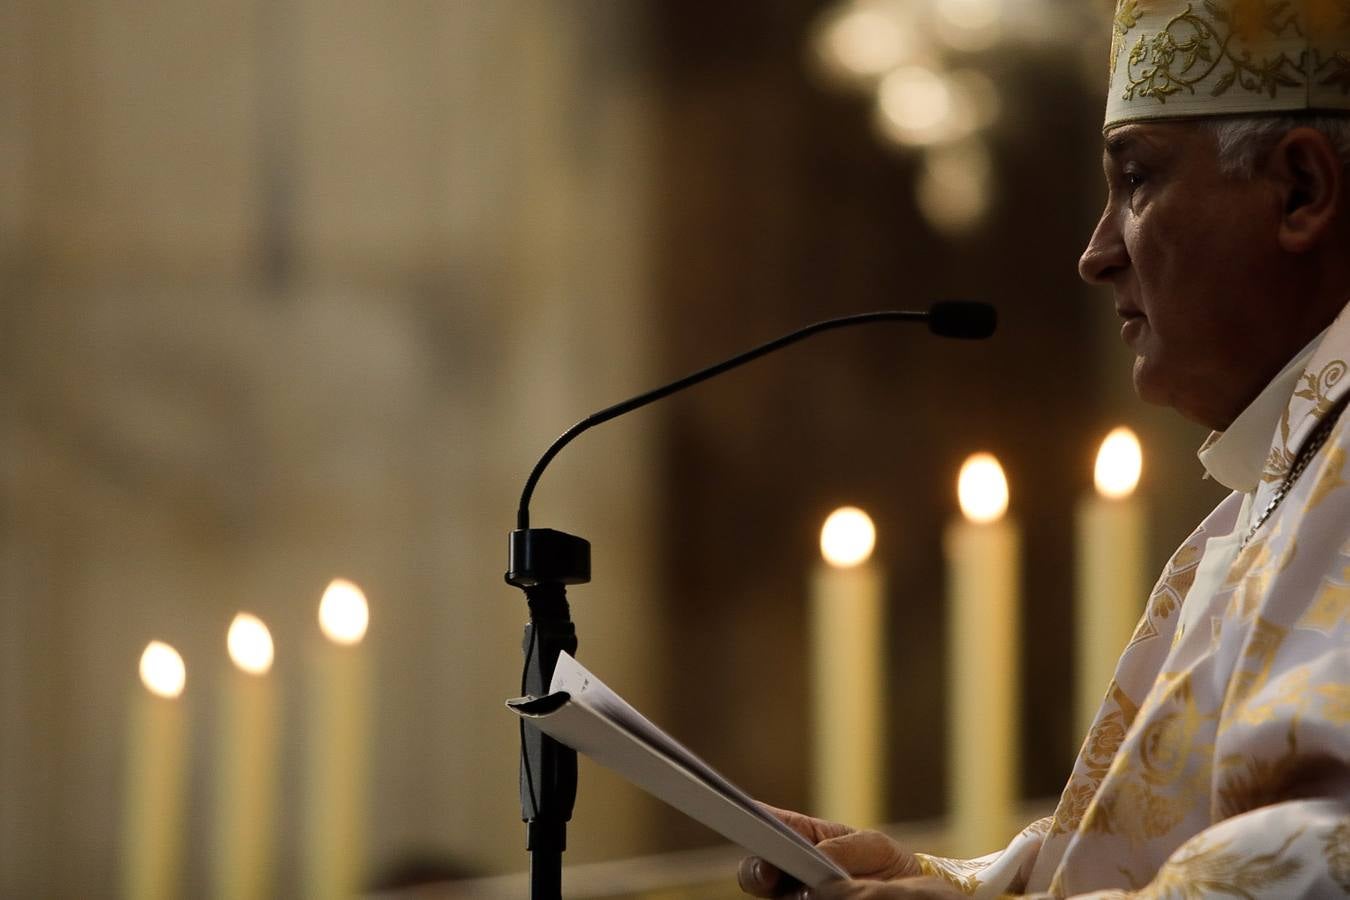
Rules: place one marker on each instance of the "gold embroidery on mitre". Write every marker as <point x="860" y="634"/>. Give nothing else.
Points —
<point x="1190" y="58"/>
<point x="1329" y="25"/>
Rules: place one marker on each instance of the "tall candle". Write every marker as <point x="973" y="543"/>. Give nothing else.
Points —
<point x="1111" y="571"/>
<point x="156" y="769"/>
<point x="337" y="748"/>
<point x="983" y="567"/>
<point x="246" y="767"/>
<point x="847" y="678"/>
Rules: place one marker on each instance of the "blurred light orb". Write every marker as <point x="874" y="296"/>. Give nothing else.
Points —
<point x="344" y="613"/>
<point x="982" y="489"/>
<point x="250" y="644"/>
<point x="915" y="107"/>
<point x="859" y="43"/>
<point x="1120" y="462"/>
<point x="969" y="25"/>
<point x="954" y="186"/>
<point x="847" y="538"/>
<point x="162" y="670"/>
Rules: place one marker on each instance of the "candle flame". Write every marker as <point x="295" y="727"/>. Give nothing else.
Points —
<point x="847" y="538"/>
<point x="250" y="644"/>
<point x="344" y="613"/>
<point x="162" y="670"/>
<point x="982" y="489"/>
<point x="1119" y="463"/>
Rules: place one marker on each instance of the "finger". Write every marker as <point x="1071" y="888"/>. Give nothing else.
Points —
<point x="814" y="830"/>
<point x="761" y="879"/>
<point x="838" y="890"/>
<point x="870" y="854"/>
<point x="906" y="889"/>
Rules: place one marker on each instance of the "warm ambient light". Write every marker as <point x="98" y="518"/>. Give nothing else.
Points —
<point x="250" y="644"/>
<point x="969" y="25"/>
<point x="863" y="44"/>
<point x="344" y="613"/>
<point x="982" y="489"/>
<point x="847" y="538"/>
<point x="1119" y="463"/>
<point x="162" y="670"/>
<point x="915" y="106"/>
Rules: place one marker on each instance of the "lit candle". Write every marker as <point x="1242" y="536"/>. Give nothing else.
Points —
<point x="1111" y="571"/>
<point x="246" y="766"/>
<point x="847" y="643"/>
<point x="983" y="579"/>
<point x="338" y="747"/>
<point x="156" y="766"/>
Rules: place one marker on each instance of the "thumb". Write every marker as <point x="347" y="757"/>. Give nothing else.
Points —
<point x="870" y="854"/>
<point x="813" y="829"/>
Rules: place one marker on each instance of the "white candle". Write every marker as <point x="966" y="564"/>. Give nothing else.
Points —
<point x="1111" y="571"/>
<point x="982" y="549"/>
<point x="847" y="678"/>
<point x="156" y="769"/>
<point x="246" y="767"/>
<point x="338" y="747"/>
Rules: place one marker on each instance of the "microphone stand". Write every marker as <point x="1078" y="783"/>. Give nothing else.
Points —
<point x="542" y="562"/>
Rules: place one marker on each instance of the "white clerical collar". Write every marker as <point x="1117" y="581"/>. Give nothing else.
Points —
<point x="1236" y="458"/>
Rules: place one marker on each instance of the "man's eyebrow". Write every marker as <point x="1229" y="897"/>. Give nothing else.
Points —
<point x="1116" y="144"/>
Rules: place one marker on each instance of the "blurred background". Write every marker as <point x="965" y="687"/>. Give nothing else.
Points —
<point x="295" y="290"/>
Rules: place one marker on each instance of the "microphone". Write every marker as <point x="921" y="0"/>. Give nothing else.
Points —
<point x="961" y="319"/>
<point x="543" y="562"/>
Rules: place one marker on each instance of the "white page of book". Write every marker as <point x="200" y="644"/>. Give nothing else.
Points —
<point x="599" y="723"/>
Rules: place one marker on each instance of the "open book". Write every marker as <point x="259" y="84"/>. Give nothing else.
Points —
<point x="581" y="712"/>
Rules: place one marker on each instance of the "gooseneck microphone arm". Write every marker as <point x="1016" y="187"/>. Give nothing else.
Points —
<point x="543" y="562"/>
<point x="948" y="319"/>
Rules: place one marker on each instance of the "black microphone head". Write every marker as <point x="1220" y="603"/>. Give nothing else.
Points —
<point x="965" y="319"/>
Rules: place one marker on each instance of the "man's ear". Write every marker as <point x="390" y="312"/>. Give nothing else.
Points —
<point x="1310" y="175"/>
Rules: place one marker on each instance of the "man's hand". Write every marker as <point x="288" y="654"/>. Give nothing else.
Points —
<point x="862" y="854"/>
<point x="905" y="889"/>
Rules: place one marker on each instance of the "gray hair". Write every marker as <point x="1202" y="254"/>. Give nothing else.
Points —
<point x="1245" y="141"/>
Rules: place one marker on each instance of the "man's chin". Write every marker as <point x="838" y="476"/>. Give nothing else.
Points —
<point x="1155" y="385"/>
<point x="1149" y="384"/>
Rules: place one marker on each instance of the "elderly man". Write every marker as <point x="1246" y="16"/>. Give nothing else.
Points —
<point x="1219" y="761"/>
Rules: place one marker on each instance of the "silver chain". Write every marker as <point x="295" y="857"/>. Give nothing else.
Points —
<point x="1301" y="462"/>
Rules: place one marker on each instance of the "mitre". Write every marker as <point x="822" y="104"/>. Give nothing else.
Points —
<point x="1188" y="58"/>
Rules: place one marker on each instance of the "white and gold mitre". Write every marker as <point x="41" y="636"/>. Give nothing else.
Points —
<point x="1188" y="58"/>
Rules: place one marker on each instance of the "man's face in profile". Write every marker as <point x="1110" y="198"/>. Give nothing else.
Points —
<point x="1190" y="253"/>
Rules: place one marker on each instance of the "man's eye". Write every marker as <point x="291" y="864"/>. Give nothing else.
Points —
<point x="1132" y="180"/>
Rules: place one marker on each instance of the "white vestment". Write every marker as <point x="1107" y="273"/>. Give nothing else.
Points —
<point x="1219" y="762"/>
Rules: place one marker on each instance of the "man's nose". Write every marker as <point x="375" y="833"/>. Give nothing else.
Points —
<point x="1105" y="255"/>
